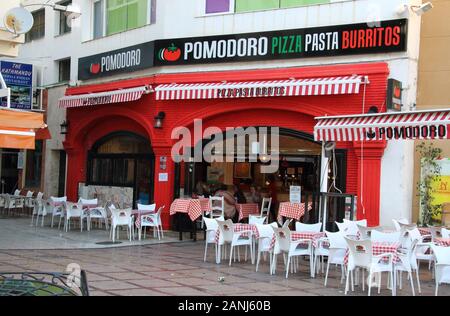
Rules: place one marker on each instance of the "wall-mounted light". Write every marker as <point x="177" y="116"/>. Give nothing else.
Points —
<point x="64" y="127"/>
<point x="159" y="119"/>
<point x="417" y="9"/>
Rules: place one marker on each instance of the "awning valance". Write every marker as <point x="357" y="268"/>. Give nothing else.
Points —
<point x="432" y="124"/>
<point x="249" y="89"/>
<point x="107" y="97"/>
<point x="17" y="128"/>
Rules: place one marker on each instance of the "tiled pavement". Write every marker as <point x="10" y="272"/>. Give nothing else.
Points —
<point x="178" y="269"/>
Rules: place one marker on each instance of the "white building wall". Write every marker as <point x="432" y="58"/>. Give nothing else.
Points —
<point x="184" y="18"/>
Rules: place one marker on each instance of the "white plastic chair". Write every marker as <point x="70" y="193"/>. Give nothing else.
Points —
<point x="217" y="206"/>
<point x="29" y="201"/>
<point x="287" y="223"/>
<point x="39" y="209"/>
<point x="408" y="264"/>
<point x="10" y="204"/>
<point x="225" y="237"/>
<point x="17" y="192"/>
<point x="55" y="207"/>
<point x="211" y="230"/>
<point x="313" y="228"/>
<point x="264" y="240"/>
<point x="235" y="239"/>
<point x="361" y="256"/>
<point x="146" y="207"/>
<point x="265" y="208"/>
<point x="121" y="218"/>
<point x="442" y="267"/>
<point x="423" y="249"/>
<point x="352" y="226"/>
<point x="365" y="232"/>
<point x="253" y="220"/>
<point x="377" y="236"/>
<point x="435" y="232"/>
<point x="397" y="223"/>
<point x="286" y="246"/>
<point x="74" y="210"/>
<point x="336" y="253"/>
<point x="445" y="233"/>
<point x="152" y="220"/>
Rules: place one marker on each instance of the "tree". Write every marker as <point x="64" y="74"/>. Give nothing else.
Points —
<point x="430" y="172"/>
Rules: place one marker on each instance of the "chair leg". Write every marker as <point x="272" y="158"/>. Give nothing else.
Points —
<point x="257" y="260"/>
<point x="326" y="273"/>
<point x="347" y="282"/>
<point x="206" y="249"/>
<point x="287" y="266"/>
<point x="231" y="254"/>
<point x="370" y="282"/>
<point x="418" y="280"/>
<point x="412" y="283"/>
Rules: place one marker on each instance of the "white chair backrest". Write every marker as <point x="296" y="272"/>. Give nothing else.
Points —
<point x="343" y="227"/>
<point x="442" y="254"/>
<point x="158" y="214"/>
<point x="88" y="202"/>
<point x="360" y="253"/>
<point x="287" y="223"/>
<point x="283" y="238"/>
<point x="144" y="207"/>
<point x="377" y="236"/>
<point x="315" y="228"/>
<point x="337" y="240"/>
<point x="211" y="224"/>
<point x="29" y="194"/>
<point x="265" y="206"/>
<point x="252" y="220"/>
<point x="72" y="209"/>
<point x="352" y="226"/>
<point x="364" y="231"/>
<point x="39" y="196"/>
<point x="414" y="234"/>
<point x="445" y="233"/>
<point x="226" y="230"/>
<point x="434" y="231"/>
<point x="399" y="222"/>
<point x="17" y="192"/>
<point x="121" y="217"/>
<point x="217" y="206"/>
<point x="58" y="200"/>
<point x="265" y="234"/>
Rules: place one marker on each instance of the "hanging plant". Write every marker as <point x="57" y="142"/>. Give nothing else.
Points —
<point x="430" y="172"/>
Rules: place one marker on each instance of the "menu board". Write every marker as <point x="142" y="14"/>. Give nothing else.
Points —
<point x="295" y="194"/>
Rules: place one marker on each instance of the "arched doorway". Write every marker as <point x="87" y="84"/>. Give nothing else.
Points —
<point x="299" y="164"/>
<point x="123" y="159"/>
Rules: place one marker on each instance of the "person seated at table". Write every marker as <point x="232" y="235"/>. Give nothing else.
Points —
<point x="201" y="190"/>
<point x="239" y="195"/>
<point x="229" y="201"/>
<point x="256" y="196"/>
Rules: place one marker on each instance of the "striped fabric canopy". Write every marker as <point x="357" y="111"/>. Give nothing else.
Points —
<point x="433" y="124"/>
<point x="250" y="89"/>
<point x="116" y="96"/>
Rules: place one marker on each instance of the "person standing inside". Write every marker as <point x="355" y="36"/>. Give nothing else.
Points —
<point x="256" y="196"/>
<point x="273" y="193"/>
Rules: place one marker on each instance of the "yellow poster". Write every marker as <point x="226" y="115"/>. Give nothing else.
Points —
<point x="441" y="185"/>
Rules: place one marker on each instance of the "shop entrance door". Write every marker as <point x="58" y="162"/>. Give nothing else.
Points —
<point x="10" y="173"/>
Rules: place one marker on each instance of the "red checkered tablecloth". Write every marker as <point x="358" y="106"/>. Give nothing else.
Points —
<point x="239" y="228"/>
<point x="137" y="215"/>
<point x="245" y="210"/>
<point x="192" y="207"/>
<point x="300" y="235"/>
<point x="424" y="231"/>
<point x="292" y="210"/>
<point x="379" y="248"/>
<point x="443" y="242"/>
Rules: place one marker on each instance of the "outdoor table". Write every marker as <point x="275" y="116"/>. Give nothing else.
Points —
<point x="424" y="231"/>
<point x="193" y="208"/>
<point x="239" y="228"/>
<point x="245" y="210"/>
<point x="379" y="248"/>
<point x="443" y="242"/>
<point x="137" y="215"/>
<point x="313" y="236"/>
<point x="292" y="210"/>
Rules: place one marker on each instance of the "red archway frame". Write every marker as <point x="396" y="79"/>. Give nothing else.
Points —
<point x="295" y="113"/>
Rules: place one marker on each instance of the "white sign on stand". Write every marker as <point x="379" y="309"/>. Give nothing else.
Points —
<point x="295" y="194"/>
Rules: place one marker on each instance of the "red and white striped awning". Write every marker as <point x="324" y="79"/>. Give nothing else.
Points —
<point x="432" y="124"/>
<point x="249" y="89"/>
<point x="115" y="96"/>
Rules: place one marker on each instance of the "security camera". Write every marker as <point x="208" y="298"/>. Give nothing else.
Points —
<point x="419" y="10"/>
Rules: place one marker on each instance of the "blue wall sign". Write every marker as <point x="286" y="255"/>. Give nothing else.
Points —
<point x="18" y="77"/>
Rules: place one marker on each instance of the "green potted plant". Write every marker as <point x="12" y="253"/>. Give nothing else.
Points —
<point x="430" y="172"/>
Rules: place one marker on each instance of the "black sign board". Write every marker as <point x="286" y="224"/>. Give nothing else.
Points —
<point x="394" y="95"/>
<point x="127" y="59"/>
<point x="388" y="36"/>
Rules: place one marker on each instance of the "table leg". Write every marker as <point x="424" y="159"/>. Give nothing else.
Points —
<point x="195" y="230"/>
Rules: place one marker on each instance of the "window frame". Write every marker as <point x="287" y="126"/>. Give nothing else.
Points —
<point x="59" y="69"/>
<point x="29" y="37"/>
<point x="67" y="28"/>
<point x="149" y="20"/>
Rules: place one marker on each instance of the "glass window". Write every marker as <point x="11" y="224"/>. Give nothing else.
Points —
<point x="33" y="166"/>
<point x="296" y="3"/>
<point x="217" y="6"/>
<point x="98" y="19"/>
<point x="255" y="5"/>
<point x="122" y="15"/>
<point x="64" y="26"/>
<point x="38" y="29"/>
<point x="64" y="70"/>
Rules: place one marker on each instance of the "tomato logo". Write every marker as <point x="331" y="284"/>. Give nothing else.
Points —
<point x="172" y="53"/>
<point x="95" y="68"/>
<point x="397" y="92"/>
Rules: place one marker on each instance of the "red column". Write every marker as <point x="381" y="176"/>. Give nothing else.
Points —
<point x="369" y="156"/>
<point x="76" y="172"/>
<point x="163" y="190"/>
